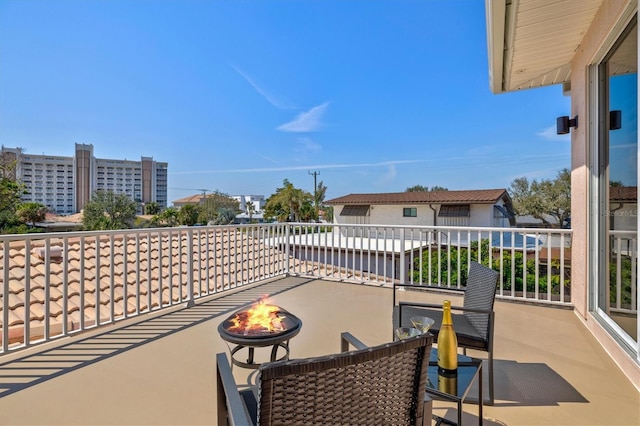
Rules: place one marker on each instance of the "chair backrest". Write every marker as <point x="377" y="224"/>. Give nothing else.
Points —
<point x="480" y="293"/>
<point x="379" y="385"/>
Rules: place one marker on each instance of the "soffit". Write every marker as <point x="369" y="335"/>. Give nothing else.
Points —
<point x="531" y="42"/>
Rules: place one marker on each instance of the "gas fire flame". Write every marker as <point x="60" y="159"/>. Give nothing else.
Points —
<point x="261" y="317"/>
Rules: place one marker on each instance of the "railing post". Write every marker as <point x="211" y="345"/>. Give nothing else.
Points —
<point x="287" y="247"/>
<point x="403" y="261"/>
<point x="190" y="243"/>
<point x="5" y="297"/>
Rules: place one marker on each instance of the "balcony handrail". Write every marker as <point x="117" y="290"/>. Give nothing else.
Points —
<point x="58" y="284"/>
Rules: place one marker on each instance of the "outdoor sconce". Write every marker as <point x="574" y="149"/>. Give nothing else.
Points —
<point x="564" y="124"/>
<point x="615" y="119"/>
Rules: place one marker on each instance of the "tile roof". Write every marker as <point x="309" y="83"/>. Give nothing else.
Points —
<point x="191" y="199"/>
<point x="623" y="193"/>
<point x="143" y="263"/>
<point x="479" y="196"/>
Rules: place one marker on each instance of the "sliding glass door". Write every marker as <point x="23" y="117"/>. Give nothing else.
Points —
<point x="615" y="196"/>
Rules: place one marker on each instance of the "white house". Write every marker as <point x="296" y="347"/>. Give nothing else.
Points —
<point x="257" y="200"/>
<point x="476" y="208"/>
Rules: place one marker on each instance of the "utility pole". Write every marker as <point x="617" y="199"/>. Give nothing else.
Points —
<point x="315" y="190"/>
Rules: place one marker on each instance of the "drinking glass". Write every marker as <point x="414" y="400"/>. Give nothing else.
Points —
<point x="406" y="332"/>
<point x="422" y="323"/>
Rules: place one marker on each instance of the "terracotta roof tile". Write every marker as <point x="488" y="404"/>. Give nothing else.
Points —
<point x="213" y="262"/>
<point x="479" y="196"/>
<point x="623" y="193"/>
<point x="192" y="199"/>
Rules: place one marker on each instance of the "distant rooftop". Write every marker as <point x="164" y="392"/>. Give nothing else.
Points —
<point x="479" y="196"/>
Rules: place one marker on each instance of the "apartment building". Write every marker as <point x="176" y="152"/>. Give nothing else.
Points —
<point x="65" y="184"/>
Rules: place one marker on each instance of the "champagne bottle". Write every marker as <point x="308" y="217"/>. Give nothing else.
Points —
<point x="447" y="342"/>
<point x="448" y="382"/>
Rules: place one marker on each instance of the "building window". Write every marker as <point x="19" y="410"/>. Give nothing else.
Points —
<point x="614" y="237"/>
<point x="357" y="210"/>
<point x="454" y="210"/>
<point x="410" y="212"/>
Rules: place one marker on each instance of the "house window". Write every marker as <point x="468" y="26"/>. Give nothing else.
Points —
<point x="454" y="210"/>
<point x="614" y="237"/>
<point x="357" y="210"/>
<point x="503" y="216"/>
<point x="355" y="214"/>
<point x="410" y="212"/>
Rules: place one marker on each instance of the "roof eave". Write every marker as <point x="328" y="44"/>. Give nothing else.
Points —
<point x="496" y="18"/>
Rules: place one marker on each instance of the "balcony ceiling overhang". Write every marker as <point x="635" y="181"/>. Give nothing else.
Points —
<point x="531" y="42"/>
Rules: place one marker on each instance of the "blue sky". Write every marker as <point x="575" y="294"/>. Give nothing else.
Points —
<point x="237" y="95"/>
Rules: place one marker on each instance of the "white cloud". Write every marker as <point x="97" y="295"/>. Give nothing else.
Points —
<point x="269" y="97"/>
<point x="550" y="133"/>
<point x="313" y="166"/>
<point x="309" y="121"/>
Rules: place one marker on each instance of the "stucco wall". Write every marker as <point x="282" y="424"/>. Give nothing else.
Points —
<point x="392" y="215"/>
<point x="480" y="215"/>
<point x="602" y="27"/>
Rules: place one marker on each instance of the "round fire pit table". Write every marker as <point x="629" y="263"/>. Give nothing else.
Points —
<point x="232" y="331"/>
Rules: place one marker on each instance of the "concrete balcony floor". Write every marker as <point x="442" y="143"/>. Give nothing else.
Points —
<point x="160" y="369"/>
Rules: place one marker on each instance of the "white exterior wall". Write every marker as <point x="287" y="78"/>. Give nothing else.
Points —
<point x="257" y="200"/>
<point x="392" y="215"/>
<point x="610" y="14"/>
<point x="119" y="176"/>
<point x="49" y="180"/>
<point x="624" y="218"/>
<point x="480" y="215"/>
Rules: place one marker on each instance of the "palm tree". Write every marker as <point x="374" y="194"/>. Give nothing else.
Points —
<point x="251" y="209"/>
<point x="32" y="212"/>
<point x="287" y="202"/>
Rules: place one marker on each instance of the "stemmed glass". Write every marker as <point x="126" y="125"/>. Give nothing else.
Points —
<point x="422" y="323"/>
<point x="406" y="332"/>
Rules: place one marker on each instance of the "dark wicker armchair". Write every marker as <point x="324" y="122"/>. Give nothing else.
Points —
<point x="381" y="385"/>
<point x="474" y="323"/>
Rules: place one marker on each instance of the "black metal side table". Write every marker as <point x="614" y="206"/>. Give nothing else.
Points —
<point x="455" y="388"/>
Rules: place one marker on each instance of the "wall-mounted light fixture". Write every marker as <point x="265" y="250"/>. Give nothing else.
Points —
<point x="615" y="119"/>
<point x="564" y="124"/>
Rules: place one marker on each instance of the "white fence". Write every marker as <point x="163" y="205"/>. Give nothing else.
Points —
<point x="54" y="285"/>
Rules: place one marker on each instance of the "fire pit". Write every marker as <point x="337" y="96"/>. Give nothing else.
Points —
<point x="260" y="325"/>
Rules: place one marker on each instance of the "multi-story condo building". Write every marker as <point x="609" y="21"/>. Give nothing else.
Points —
<point x="65" y="184"/>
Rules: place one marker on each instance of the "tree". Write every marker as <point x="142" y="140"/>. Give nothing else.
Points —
<point x="168" y="216"/>
<point x="421" y="188"/>
<point x="213" y="204"/>
<point x="251" y="209"/>
<point x="321" y="192"/>
<point x="543" y="199"/>
<point x="225" y="216"/>
<point x="32" y="212"/>
<point x="417" y="188"/>
<point x="152" y="208"/>
<point x="108" y="210"/>
<point x="189" y="214"/>
<point x="287" y="202"/>
<point x="438" y="188"/>
<point x="10" y="188"/>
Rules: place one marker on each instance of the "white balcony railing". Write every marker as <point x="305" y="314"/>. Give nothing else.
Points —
<point x="58" y="284"/>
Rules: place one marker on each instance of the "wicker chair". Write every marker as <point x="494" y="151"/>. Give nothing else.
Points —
<point x="381" y="385"/>
<point x="473" y="326"/>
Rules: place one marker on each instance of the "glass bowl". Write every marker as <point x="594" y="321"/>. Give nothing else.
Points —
<point x="422" y="323"/>
<point x="406" y="332"/>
